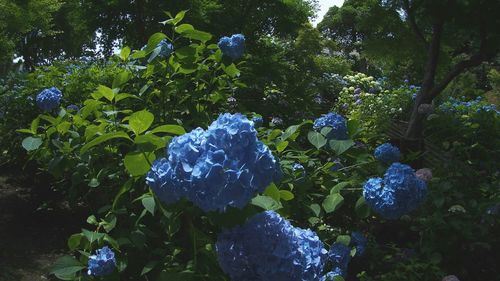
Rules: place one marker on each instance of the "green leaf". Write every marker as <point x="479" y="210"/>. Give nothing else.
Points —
<point x="361" y="208"/>
<point x="316" y="139"/>
<point x="339" y="186"/>
<point x="197" y="35"/>
<point x="138" y="163"/>
<point x="171" y="129"/>
<point x="289" y="132"/>
<point x="183" y="28"/>
<point x="125" y="53"/>
<point x="92" y="236"/>
<point x="153" y="41"/>
<point x="140" y="121"/>
<point x="332" y="202"/>
<point x="273" y="192"/>
<point x="344" y="239"/>
<point x="232" y="70"/>
<point x="34" y="125"/>
<point x="266" y="203"/>
<point x="31" y="143"/>
<point x="74" y="241"/>
<point x="316" y="209"/>
<point x="66" y="267"/>
<point x="281" y="146"/>
<point x="121" y="78"/>
<point x="340" y="146"/>
<point x="148" y="267"/>
<point x="178" y="18"/>
<point x="106" y="92"/>
<point x="103" y="138"/>
<point x="149" y="204"/>
<point x="286" y="195"/>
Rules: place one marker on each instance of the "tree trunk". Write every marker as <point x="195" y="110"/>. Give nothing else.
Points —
<point x="414" y="130"/>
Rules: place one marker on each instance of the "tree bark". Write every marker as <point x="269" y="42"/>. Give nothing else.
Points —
<point x="414" y="130"/>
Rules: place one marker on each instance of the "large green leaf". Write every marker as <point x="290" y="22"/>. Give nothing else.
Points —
<point x="197" y="35"/>
<point x="340" y="146"/>
<point x="31" y="143"/>
<point x="361" y="209"/>
<point x="171" y="129"/>
<point x="103" y="138"/>
<point x="138" y="163"/>
<point x="66" y="267"/>
<point x="149" y="204"/>
<point x="332" y="202"/>
<point x="316" y="139"/>
<point x="140" y="121"/>
<point x="266" y="203"/>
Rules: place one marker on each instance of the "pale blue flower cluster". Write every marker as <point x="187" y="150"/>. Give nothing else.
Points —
<point x="49" y="99"/>
<point x="387" y="153"/>
<point x="268" y="248"/>
<point x="297" y="167"/>
<point x="72" y="107"/>
<point x="102" y="263"/>
<point x="225" y="165"/>
<point x="166" y="48"/>
<point x="334" y="121"/>
<point x="233" y="46"/>
<point x="398" y="193"/>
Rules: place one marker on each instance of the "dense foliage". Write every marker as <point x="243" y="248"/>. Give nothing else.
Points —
<point x="257" y="150"/>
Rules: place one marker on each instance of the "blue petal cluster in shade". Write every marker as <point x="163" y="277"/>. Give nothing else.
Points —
<point x="102" y="263"/>
<point x="226" y="165"/>
<point x="233" y="46"/>
<point x="340" y="256"/>
<point x="166" y="48"/>
<point x="297" y="167"/>
<point x="359" y="241"/>
<point x="334" y="121"/>
<point x="387" y="153"/>
<point x="398" y="193"/>
<point x="268" y="248"/>
<point x="330" y="276"/>
<point x="257" y="121"/>
<point x="49" y="99"/>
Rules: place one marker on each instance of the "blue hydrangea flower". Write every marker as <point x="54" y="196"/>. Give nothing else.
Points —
<point x="387" y="153"/>
<point x="233" y="46"/>
<point x="276" y="121"/>
<point x="340" y="256"/>
<point x="334" y="121"/>
<point x="398" y="193"/>
<point x="72" y="107"/>
<point x="330" y="276"/>
<point x="268" y="248"/>
<point x="297" y="167"/>
<point x="359" y="241"/>
<point x="257" y="121"/>
<point x="165" y="48"/>
<point x="102" y="263"/>
<point x="220" y="167"/>
<point x="49" y="99"/>
<point x="337" y="165"/>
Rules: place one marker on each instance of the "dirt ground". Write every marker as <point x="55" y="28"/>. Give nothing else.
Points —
<point x="32" y="235"/>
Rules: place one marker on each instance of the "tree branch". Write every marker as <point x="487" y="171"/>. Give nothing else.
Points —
<point x="413" y="24"/>
<point x="474" y="60"/>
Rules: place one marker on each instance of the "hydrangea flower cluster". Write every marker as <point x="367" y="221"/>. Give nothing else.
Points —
<point x="72" y="107"/>
<point x="102" y="263"/>
<point x="49" y="99"/>
<point x="166" y="48"/>
<point x="257" y="121"/>
<point x="297" y="167"/>
<point x="268" y="248"/>
<point x="276" y="121"/>
<point x="398" y="193"/>
<point x="220" y="167"/>
<point x="387" y="153"/>
<point x="456" y="106"/>
<point x="359" y="241"/>
<point x="340" y="256"/>
<point x="334" y="121"/>
<point x="233" y="46"/>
